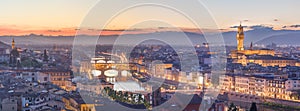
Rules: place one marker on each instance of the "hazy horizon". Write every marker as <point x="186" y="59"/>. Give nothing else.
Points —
<point x="40" y="17"/>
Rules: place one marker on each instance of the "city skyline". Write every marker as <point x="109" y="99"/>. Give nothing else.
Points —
<point x="132" y="55"/>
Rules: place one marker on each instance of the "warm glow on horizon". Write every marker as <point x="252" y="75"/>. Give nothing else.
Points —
<point x="74" y="31"/>
<point x="56" y="17"/>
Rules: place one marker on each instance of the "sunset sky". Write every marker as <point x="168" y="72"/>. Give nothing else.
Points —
<point x="64" y="17"/>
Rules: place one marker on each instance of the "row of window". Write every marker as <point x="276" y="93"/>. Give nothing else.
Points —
<point x="276" y="61"/>
<point x="60" y="79"/>
<point x="60" y="74"/>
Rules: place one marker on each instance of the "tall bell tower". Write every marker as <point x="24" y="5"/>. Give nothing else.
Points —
<point x="240" y="38"/>
<point x="13" y="43"/>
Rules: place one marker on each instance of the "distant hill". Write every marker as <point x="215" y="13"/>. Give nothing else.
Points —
<point x="4" y="45"/>
<point x="284" y="38"/>
<point x="257" y="36"/>
<point x="264" y="36"/>
<point x="67" y="40"/>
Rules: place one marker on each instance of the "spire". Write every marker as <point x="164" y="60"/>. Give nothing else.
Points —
<point x="240" y="29"/>
<point x="251" y="46"/>
<point x="13" y="44"/>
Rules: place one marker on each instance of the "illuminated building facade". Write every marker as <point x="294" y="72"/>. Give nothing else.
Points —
<point x="263" y="86"/>
<point x="60" y="78"/>
<point x="264" y="57"/>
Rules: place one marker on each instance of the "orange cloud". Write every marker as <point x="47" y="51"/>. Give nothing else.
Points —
<point x="17" y="31"/>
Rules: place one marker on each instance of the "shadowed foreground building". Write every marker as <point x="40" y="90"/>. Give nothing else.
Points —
<point x="195" y="104"/>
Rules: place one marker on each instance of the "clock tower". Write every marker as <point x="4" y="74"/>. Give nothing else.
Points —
<point x="240" y="38"/>
<point x="13" y="44"/>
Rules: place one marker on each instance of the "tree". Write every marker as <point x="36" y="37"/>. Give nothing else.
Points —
<point x="105" y="91"/>
<point x="140" y="98"/>
<point x="126" y="96"/>
<point x="253" y="107"/>
<point x="132" y="98"/>
<point x="120" y="96"/>
<point x="147" y="104"/>
<point x="120" y="93"/>
<point x="114" y="94"/>
<point x="232" y="107"/>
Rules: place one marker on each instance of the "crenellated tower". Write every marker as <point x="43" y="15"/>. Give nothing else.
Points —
<point x="240" y="38"/>
<point x="13" y="44"/>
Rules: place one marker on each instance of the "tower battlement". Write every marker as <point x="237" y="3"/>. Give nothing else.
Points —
<point x="240" y="38"/>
